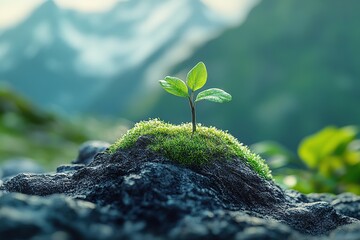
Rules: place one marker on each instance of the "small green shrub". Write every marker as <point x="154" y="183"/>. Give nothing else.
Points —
<point x="334" y="154"/>
<point x="329" y="161"/>
<point x="179" y="144"/>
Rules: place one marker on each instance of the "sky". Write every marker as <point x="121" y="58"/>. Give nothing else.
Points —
<point x="13" y="11"/>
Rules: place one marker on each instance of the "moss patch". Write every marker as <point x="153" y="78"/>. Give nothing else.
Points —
<point x="177" y="143"/>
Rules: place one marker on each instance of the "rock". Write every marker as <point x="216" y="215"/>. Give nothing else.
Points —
<point x="347" y="232"/>
<point x="347" y="204"/>
<point x="88" y="150"/>
<point x="69" y="168"/>
<point x="60" y="217"/>
<point x="142" y="195"/>
<point x="13" y="167"/>
<point x="55" y="217"/>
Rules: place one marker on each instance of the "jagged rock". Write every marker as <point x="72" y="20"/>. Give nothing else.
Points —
<point x="55" y="217"/>
<point x="88" y="151"/>
<point x="156" y="198"/>
<point x="60" y="217"/>
<point x="347" y="204"/>
<point x="69" y="168"/>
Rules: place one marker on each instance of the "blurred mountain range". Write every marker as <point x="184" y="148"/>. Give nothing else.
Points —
<point x="292" y="68"/>
<point x="71" y="61"/>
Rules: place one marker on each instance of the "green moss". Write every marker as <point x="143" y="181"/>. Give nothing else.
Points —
<point x="177" y="143"/>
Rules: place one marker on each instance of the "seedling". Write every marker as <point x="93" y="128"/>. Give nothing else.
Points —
<point x="196" y="79"/>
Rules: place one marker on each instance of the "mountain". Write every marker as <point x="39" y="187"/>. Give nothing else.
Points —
<point x="68" y="61"/>
<point x="292" y="68"/>
<point x="38" y="59"/>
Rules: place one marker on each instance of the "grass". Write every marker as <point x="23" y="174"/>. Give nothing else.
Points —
<point x="177" y="143"/>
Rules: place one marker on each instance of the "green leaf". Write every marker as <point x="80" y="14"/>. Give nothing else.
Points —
<point x="214" y="95"/>
<point x="197" y="76"/>
<point x="316" y="150"/>
<point x="174" y="86"/>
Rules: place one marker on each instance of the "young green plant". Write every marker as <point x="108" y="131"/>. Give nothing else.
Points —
<point x="196" y="79"/>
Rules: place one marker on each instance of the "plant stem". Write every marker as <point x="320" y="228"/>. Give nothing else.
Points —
<point x="193" y="116"/>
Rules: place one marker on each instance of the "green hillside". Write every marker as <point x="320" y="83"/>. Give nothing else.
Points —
<point x="27" y="132"/>
<point x="292" y="68"/>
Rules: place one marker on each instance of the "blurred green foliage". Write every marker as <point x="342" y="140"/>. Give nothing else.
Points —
<point x="329" y="161"/>
<point x="26" y="131"/>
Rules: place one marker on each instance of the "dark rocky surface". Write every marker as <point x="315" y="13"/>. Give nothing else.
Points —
<point x="137" y="194"/>
<point x="69" y="168"/>
<point x="88" y="151"/>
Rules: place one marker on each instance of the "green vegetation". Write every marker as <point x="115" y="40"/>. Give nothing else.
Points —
<point x="177" y="143"/>
<point x="329" y="161"/>
<point x="27" y="132"/>
<point x="334" y="155"/>
<point x="196" y="79"/>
